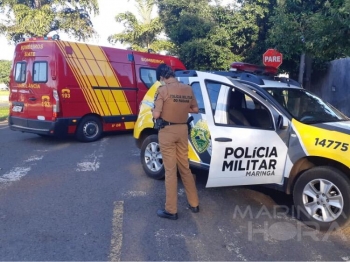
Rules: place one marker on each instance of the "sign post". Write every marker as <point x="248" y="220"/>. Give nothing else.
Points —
<point x="272" y="58"/>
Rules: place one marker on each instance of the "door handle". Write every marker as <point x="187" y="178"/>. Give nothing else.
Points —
<point x="223" y="139"/>
<point x="32" y="98"/>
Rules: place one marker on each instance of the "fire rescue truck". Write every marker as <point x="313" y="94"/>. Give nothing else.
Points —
<point x="60" y="88"/>
<point x="259" y="129"/>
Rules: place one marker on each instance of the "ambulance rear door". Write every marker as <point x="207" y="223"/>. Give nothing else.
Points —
<point x="246" y="147"/>
<point x="34" y="87"/>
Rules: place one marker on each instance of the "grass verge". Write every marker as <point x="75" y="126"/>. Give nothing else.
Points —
<point x="4" y="112"/>
<point x="4" y="93"/>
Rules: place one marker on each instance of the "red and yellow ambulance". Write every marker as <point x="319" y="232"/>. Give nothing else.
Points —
<point x="64" y="88"/>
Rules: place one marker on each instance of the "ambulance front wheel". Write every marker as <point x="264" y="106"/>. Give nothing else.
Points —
<point x="89" y="129"/>
<point x="322" y="198"/>
<point x="151" y="158"/>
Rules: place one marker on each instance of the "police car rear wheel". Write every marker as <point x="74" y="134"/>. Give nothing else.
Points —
<point x="151" y="158"/>
<point x="322" y="198"/>
<point x="89" y="129"/>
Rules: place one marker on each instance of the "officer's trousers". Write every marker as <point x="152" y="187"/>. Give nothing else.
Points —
<point x="173" y="141"/>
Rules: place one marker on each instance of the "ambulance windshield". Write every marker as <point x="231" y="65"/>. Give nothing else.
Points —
<point x="305" y="106"/>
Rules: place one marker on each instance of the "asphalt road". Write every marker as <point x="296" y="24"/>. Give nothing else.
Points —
<point x="65" y="200"/>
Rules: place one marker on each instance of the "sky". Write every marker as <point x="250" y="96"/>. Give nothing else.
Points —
<point x="104" y="24"/>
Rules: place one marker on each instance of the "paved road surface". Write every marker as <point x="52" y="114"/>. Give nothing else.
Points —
<point x="65" y="200"/>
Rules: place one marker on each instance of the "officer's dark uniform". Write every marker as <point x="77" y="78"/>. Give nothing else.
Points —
<point x="174" y="101"/>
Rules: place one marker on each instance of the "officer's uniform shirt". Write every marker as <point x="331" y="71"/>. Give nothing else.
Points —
<point x="174" y="101"/>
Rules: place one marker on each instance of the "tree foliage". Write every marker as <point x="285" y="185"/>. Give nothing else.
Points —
<point x="206" y="36"/>
<point x="319" y="28"/>
<point x="212" y="36"/>
<point x="5" y="68"/>
<point x="25" y="18"/>
<point x="331" y="34"/>
<point x="250" y="27"/>
<point x="203" y="41"/>
<point x="141" y="34"/>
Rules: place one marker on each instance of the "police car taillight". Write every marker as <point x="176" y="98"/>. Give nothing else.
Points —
<point x="251" y="68"/>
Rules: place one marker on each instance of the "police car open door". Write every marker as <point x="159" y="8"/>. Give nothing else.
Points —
<point x="246" y="146"/>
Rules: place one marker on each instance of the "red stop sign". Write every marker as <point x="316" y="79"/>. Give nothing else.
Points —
<point x="272" y="58"/>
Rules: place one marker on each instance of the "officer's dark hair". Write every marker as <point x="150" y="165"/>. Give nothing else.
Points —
<point x="163" y="70"/>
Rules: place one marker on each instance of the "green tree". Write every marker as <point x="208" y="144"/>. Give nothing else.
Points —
<point x="25" y="18"/>
<point x="185" y="19"/>
<point x="249" y="28"/>
<point x="141" y="34"/>
<point x="213" y="36"/>
<point x="331" y="34"/>
<point x="319" y="28"/>
<point x="203" y="43"/>
<point x="5" y="68"/>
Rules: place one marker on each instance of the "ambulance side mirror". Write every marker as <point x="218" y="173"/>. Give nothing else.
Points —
<point x="282" y="122"/>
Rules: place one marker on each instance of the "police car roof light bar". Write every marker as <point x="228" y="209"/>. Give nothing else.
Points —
<point x="251" y="68"/>
<point x="257" y="79"/>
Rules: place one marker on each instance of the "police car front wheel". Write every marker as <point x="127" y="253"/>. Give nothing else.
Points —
<point x="322" y="198"/>
<point x="151" y="158"/>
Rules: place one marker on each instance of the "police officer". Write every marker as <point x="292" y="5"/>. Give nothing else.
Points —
<point x="173" y="102"/>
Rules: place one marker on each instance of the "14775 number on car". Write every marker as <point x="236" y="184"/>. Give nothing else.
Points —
<point x="331" y="144"/>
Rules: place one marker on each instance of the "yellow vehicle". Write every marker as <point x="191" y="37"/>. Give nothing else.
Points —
<point x="263" y="132"/>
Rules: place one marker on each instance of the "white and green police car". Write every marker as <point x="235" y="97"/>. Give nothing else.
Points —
<point x="268" y="132"/>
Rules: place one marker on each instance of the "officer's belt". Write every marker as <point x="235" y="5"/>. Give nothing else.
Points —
<point x="166" y="123"/>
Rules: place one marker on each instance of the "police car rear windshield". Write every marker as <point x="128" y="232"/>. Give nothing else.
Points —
<point x="305" y="106"/>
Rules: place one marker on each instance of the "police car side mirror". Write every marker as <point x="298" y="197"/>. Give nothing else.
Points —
<point x="282" y="122"/>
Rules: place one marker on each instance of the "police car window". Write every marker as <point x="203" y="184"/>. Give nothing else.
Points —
<point x="148" y="76"/>
<point x="20" y="72"/>
<point x="199" y="97"/>
<point x="281" y="96"/>
<point x="244" y="110"/>
<point x="249" y="102"/>
<point x="40" y="72"/>
<point x="213" y="89"/>
<point x="306" y="107"/>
